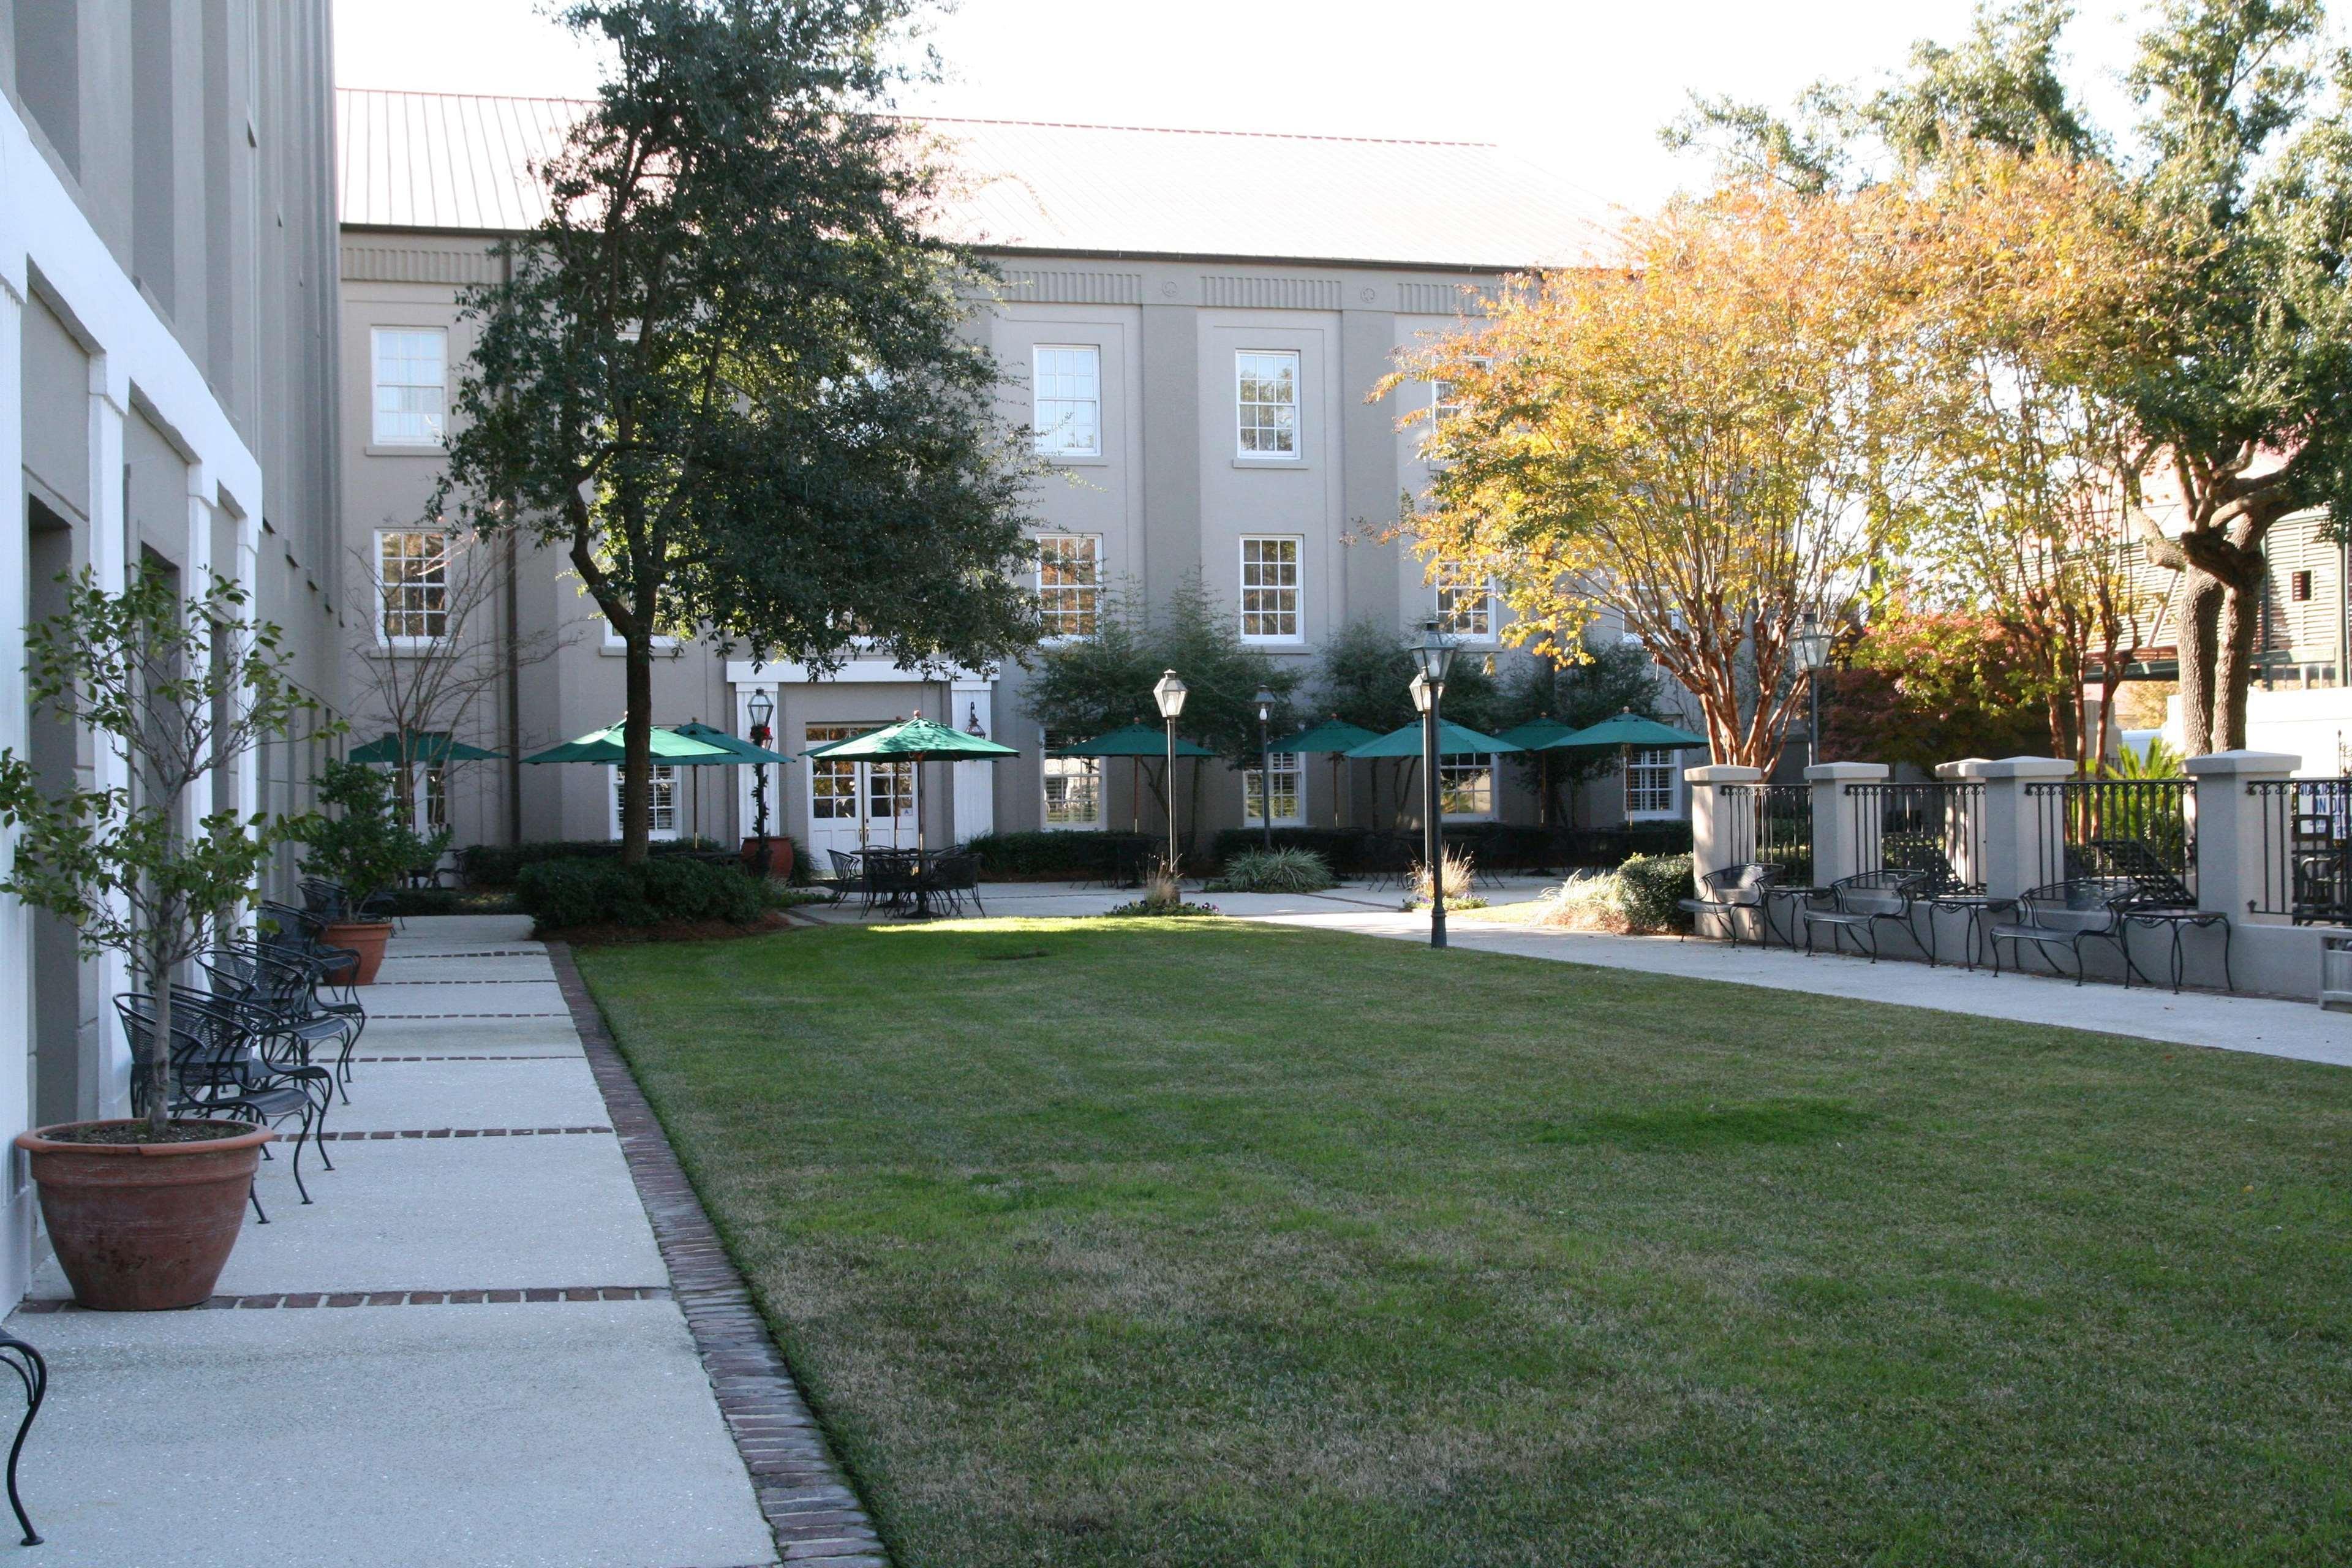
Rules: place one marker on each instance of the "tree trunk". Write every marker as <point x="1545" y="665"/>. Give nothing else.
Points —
<point x="2235" y="664"/>
<point x="2202" y="593"/>
<point x="638" y="753"/>
<point x="157" y="1068"/>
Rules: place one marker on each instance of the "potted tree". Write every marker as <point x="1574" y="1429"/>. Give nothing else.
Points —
<point x="365" y="846"/>
<point x="148" y="862"/>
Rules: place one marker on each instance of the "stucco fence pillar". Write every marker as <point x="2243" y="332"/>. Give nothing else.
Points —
<point x="1723" y="807"/>
<point x="2013" y="849"/>
<point x="2242" y="869"/>
<point x="1837" y="846"/>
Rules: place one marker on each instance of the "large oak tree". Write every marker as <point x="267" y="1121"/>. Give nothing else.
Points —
<point x="729" y="374"/>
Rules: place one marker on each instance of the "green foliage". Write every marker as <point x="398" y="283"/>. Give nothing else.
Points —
<point x="1094" y="684"/>
<point x="364" y="841"/>
<point x="181" y="690"/>
<point x="1612" y="678"/>
<point x="499" y="865"/>
<point x="730" y="367"/>
<point x="1364" y="676"/>
<point x="1060" y="856"/>
<point x="558" y="894"/>
<point x="1275" y="871"/>
<point x="1653" y="885"/>
<point x="1928" y="689"/>
<point x="2158" y="761"/>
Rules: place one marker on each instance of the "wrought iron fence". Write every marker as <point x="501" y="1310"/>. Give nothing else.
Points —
<point x="1936" y="827"/>
<point x="2142" y="828"/>
<point x="2306" y="826"/>
<point x="1772" y="824"/>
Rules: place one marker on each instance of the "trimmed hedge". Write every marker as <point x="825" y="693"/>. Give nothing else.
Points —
<point x="501" y="865"/>
<point x="1654" y="886"/>
<point x="1059" y="857"/>
<point x="1496" y="845"/>
<point x="579" y="892"/>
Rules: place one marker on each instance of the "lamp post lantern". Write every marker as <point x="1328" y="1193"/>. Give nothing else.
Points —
<point x="1169" y="693"/>
<point x="1433" y="658"/>
<point x="762" y="709"/>
<point x="1812" y="646"/>
<point x="1265" y="701"/>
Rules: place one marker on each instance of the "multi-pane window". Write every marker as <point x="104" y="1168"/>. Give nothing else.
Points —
<point x="412" y="569"/>
<point x="1270" y="588"/>
<point x="412" y="385"/>
<point x="1650" y="782"/>
<point x="1465" y="785"/>
<point x="429" y="801"/>
<point x="1466" y="603"/>
<point x="834" y="788"/>
<point x="1288" y="773"/>
<point x="664" y="815"/>
<point x="1067" y="407"/>
<point x="1445" y="403"/>
<point x="1268" y="396"/>
<point x="1069" y="584"/>
<point x="1073" y="787"/>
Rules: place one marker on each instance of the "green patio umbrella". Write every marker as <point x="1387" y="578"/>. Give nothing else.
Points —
<point x="738" y="750"/>
<point x="1630" y="728"/>
<point x="1135" y="743"/>
<point x="431" y="747"/>
<point x="1334" y="736"/>
<point x="914" y="741"/>
<point x="1452" y="740"/>
<point x="605" y="746"/>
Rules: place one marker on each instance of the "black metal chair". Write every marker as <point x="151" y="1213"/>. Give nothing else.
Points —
<point x="32" y="1372"/>
<point x="282" y="985"/>
<point x="2163" y="901"/>
<point x="2067" y="914"/>
<point x="1723" y="894"/>
<point x="1390" y="860"/>
<point x="953" y="875"/>
<point x="217" y="1072"/>
<point x="1861" y="903"/>
<point x="848" y="876"/>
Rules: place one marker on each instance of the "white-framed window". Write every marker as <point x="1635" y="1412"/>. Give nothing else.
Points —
<point x="429" y="801"/>
<point x="1466" y="787"/>
<point x="664" y="815"/>
<point x="411" y="578"/>
<point x="1066" y="411"/>
<point x="1649" y="783"/>
<point x="1288" y="772"/>
<point x="410" y="372"/>
<point x="1466" y="605"/>
<point x="1442" y="404"/>
<point x="1266" y="382"/>
<point x="615" y="643"/>
<point x="1270" y="588"/>
<point x="1069" y="584"/>
<point x="1073" y="786"/>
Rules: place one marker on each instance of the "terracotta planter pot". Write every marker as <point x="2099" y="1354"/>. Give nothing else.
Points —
<point x="143" y="1228"/>
<point x="365" y="938"/>
<point x="780" y="856"/>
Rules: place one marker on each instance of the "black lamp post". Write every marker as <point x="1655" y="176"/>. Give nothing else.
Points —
<point x="1812" y="646"/>
<point x="762" y="709"/>
<point x="1265" y="701"/>
<point x="1434" y="656"/>
<point x="1169" y="693"/>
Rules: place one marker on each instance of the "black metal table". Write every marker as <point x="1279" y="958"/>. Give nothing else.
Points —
<point x="1789" y="893"/>
<point x="1976" y="906"/>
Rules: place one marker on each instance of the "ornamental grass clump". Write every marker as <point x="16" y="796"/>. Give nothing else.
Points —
<point x="1458" y="869"/>
<point x="1640" y="897"/>
<point x="1277" y="871"/>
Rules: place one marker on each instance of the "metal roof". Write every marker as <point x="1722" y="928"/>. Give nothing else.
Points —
<point x="449" y="161"/>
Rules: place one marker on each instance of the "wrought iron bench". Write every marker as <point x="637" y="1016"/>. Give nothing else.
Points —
<point x="1859" y="904"/>
<point x="2067" y="914"/>
<point x="1724" y="893"/>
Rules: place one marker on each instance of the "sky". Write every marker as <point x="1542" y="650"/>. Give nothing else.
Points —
<point x="1576" y="87"/>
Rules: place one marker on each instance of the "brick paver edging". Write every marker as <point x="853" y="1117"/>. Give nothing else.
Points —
<point x="818" y="1520"/>
<point x="474" y="1297"/>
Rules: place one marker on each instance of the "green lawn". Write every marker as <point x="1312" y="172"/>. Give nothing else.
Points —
<point x="1203" y="1243"/>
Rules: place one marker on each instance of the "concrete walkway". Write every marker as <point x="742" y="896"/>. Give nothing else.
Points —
<point x="2263" y="1025"/>
<point x="467" y="1350"/>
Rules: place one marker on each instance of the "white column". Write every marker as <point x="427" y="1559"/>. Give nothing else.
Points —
<point x="2014" y="825"/>
<point x="971" y="706"/>
<point x="1837" y="847"/>
<point x="193" y="583"/>
<point x="1717" y="839"/>
<point x="110" y="404"/>
<point x="2231" y="853"/>
<point x="16" y="1044"/>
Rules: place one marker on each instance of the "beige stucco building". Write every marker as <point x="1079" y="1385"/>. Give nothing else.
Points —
<point x="1191" y="321"/>
<point x="167" y="319"/>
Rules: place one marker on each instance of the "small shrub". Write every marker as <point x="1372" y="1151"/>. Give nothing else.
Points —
<point x="560" y="893"/>
<point x="501" y="865"/>
<point x="1586" y="903"/>
<point x="1639" y="897"/>
<point x="1277" y="871"/>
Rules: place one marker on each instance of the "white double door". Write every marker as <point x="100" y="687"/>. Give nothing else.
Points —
<point x="857" y="805"/>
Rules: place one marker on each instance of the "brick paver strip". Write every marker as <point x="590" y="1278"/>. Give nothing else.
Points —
<point x="458" y="1132"/>
<point x="555" y="1056"/>
<point x="401" y="1297"/>
<point x="818" y="1520"/>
